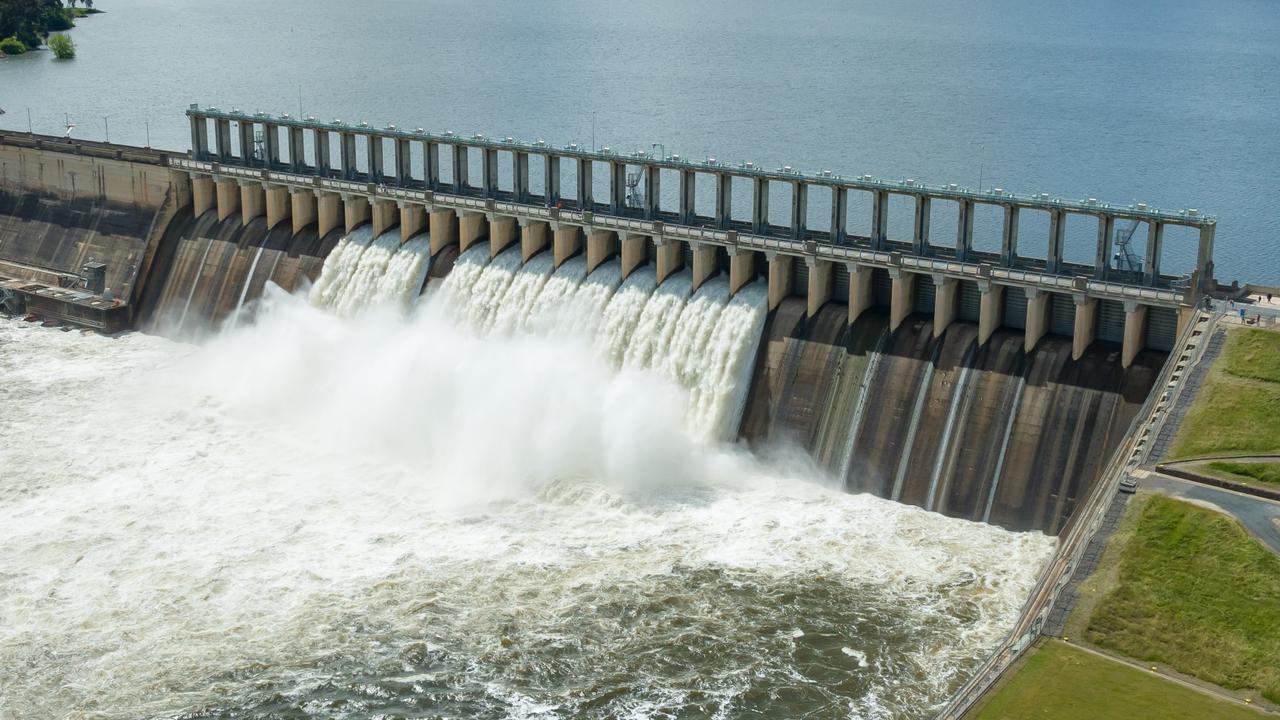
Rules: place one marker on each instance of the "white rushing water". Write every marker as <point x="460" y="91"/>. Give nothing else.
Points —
<point x="310" y="515"/>
<point x="364" y="272"/>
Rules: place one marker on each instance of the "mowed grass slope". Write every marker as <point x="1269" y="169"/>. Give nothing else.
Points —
<point x="1061" y="682"/>
<point x="1237" y="411"/>
<point x="1256" y="473"/>
<point x="1198" y="594"/>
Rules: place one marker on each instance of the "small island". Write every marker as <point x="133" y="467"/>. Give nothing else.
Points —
<point x="28" y="24"/>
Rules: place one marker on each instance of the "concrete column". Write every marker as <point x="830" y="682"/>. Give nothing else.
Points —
<point x="566" y="243"/>
<point x="990" y="310"/>
<point x="1155" y="248"/>
<point x="669" y="257"/>
<point x="902" y="299"/>
<point x="944" y="303"/>
<point x="1009" y="237"/>
<point x="652" y="191"/>
<point x="253" y="202"/>
<point x="920" y="239"/>
<point x="742" y="268"/>
<point x="633" y="253"/>
<point x="551" y="178"/>
<point x="779" y="277"/>
<point x="403" y="161"/>
<point x="503" y="232"/>
<point x="760" y="207"/>
<point x="799" y="209"/>
<point x="1186" y="314"/>
<point x="302" y="208"/>
<point x="1102" y="261"/>
<point x="724" y="199"/>
<point x="688" y="191"/>
<point x="385" y="215"/>
<point x="520" y="176"/>
<point x="1037" y="318"/>
<point x="704" y="263"/>
<point x="585" y="185"/>
<point x="278" y="204"/>
<point x="489" y="171"/>
<point x="329" y="213"/>
<point x="1135" y="332"/>
<point x="413" y="220"/>
<point x="228" y="193"/>
<point x="819" y="291"/>
<point x="879" y="218"/>
<point x="320" y="148"/>
<point x="472" y="228"/>
<point x="533" y="238"/>
<point x="443" y="226"/>
<point x="203" y="195"/>
<point x="601" y="245"/>
<point x="1086" y="325"/>
<point x="964" y="230"/>
<point x="1057" y="239"/>
<point x="1204" y="259"/>
<point x="355" y="211"/>
<point x="839" y="214"/>
<point x="617" y="187"/>
<point x="860" y="290"/>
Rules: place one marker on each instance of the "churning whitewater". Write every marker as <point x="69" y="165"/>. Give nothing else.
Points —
<point x="504" y="502"/>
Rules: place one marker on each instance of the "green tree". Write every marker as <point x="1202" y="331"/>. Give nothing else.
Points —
<point x="28" y="20"/>
<point x="12" y="46"/>
<point x="63" y="47"/>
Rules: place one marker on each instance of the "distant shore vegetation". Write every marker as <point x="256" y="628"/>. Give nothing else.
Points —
<point x="27" y="24"/>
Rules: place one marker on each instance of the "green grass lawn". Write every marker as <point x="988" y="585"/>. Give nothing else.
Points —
<point x="1264" y="474"/>
<point x="1237" y="411"/>
<point x="1196" y="593"/>
<point x="1061" y="682"/>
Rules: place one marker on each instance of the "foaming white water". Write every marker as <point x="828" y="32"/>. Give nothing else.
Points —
<point x="622" y="314"/>
<point x="360" y="289"/>
<point x="522" y="294"/>
<point x="719" y="394"/>
<point x="682" y="361"/>
<point x="457" y="287"/>
<point x="405" y="275"/>
<point x="217" y="525"/>
<point x="341" y="264"/>
<point x="593" y="295"/>
<point x="554" y="309"/>
<point x="482" y="303"/>
<point x="657" y="321"/>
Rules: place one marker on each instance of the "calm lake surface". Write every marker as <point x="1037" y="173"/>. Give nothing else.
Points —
<point x="1175" y="104"/>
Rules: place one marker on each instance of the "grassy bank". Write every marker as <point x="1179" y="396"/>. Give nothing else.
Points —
<point x="1061" y="682"/>
<point x="1258" y="474"/>
<point x="1235" y="411"/>
<point x="1196" y="593"/>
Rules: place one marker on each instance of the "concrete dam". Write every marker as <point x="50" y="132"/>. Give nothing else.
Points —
<point x="987" y="386"/>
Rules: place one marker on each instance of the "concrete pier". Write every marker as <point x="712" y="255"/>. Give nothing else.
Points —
<point x="1086" y="324"/>
<point x="503" y="233"/>
<point x="253" y="202"/>
<point x="860" y="290"/>
<point x="704" y="263"/>
<point x="601" y="245"/>
<point x="472" y="228"/>
<point x="413" y="220"/>
<point x="668" y="258"/>
<point x="819" y="291"/>
<point x="566" y="243"/>
<point x="533" y="238"/>
<point x="203" y="195"/>
<point x="355" y="211"/>
<point x="991" y="304"/>
<point x="279" y="206"/>
<point x="228" y="193"/>
<point x="385" y="215"/>
<point x="329" y="212"/>
<point x="944" y="303"/>
<point x="1037" y="317"/>
<point x="302" y="208"/>
<point x="779" y="277"/>
<point x="1135" y="332"/>
<point x="443" y="226"/>
<point x="741" y="268"/>
<point x="633" y="252"/>
<point x="901" y="297"/>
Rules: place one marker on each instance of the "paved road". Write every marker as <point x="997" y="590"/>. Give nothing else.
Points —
<point x="1261" y="517"/>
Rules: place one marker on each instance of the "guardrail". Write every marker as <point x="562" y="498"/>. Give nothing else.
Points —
<point x="1080" y="531"/>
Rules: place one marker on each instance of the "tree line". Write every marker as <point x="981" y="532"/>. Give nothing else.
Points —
<point x="29" y="22"/>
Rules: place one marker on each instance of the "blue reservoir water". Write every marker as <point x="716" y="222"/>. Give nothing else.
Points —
<point x="1170" y="103"/>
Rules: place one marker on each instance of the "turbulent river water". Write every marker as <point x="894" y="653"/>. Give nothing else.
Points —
<point x="379" y="512"/>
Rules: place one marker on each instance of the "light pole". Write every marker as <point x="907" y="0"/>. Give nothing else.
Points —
<point x="106" y="128"/>
<point x="147" y="124"/>
<point x="982" y="162"/>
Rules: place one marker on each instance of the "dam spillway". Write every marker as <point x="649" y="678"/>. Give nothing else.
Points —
<point x="522" y="382"/>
